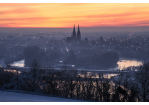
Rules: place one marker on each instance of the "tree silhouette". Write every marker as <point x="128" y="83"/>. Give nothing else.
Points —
<point x="142" y="77"/>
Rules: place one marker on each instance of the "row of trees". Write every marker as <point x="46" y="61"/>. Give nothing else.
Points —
<point x="106" y="59"/>
<point x="132" y="86"/>
<point x="85" y="59"/>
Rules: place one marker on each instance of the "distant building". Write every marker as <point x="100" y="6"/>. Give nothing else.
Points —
<point x="42" y="37"/>
<point x="74" y="37"/>
<point x="10" y="36"/>
<point x="86" y="39"/>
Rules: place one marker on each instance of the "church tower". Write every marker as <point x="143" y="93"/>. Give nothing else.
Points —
<point x="74" y="32"/>
<point x="78" y="33"/>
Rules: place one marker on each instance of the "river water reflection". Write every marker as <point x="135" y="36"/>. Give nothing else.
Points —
<point x="123" y="62"/>
<point x="19" y="63"/>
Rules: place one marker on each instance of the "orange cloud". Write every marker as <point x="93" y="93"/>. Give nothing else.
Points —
<point x="17" y="11"/>
<point x="35" y="21"/>
<point x="110" y="15"/>
<point x="67" y="14"/>
<point x="26" y="19"/>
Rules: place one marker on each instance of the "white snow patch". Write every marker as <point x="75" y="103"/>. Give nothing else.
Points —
<point x="22" y="97"/>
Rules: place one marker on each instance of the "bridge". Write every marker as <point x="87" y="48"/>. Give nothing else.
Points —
<point x="27" y="69"/>
<point x="101" y="73"/>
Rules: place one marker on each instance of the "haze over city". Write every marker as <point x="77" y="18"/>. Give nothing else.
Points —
<point x="84" y="51"/>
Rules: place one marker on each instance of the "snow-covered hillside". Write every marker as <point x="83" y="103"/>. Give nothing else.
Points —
<point x="7" y="96"/>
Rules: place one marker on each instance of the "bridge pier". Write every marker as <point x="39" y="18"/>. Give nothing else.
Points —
<point x="101" y="75"/>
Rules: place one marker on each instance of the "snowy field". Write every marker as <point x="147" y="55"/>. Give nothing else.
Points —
<point x="7" y="96"/>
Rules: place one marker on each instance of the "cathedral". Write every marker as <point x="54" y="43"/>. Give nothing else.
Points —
<point x="74" y="36"/>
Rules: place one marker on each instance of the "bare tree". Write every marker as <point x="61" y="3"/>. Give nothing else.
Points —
<point x="142" y="78"/>
<point x="35" y="74"/>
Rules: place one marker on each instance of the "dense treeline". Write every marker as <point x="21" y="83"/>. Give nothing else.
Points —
<point x="75" y="84"/>
<point x="95" y="60"/>
<point x="86" y="59"/>
<point x="5" y="77"/>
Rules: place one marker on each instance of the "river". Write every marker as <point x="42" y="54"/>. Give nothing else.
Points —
<point x="122" y="63"/>
<point x="20" y="63"/>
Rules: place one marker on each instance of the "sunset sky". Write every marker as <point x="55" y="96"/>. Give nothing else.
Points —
<point x="65" y="15"/>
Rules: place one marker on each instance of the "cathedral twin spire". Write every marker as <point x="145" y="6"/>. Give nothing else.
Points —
<point x="78" y="33"/>
<point x="74" y="32"/>
<point x="74" y="37"/>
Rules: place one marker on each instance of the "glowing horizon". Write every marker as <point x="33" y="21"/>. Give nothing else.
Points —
<point x="65" y="15"/>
